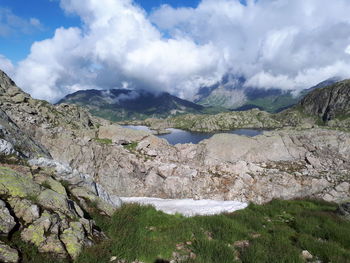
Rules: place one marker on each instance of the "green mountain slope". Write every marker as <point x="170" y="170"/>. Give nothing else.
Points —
<point x="118" y="104"/>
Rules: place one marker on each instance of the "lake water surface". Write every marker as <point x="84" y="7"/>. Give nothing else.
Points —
<point x="180" y="136"/>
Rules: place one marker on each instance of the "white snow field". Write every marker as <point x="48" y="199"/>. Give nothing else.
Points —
<point x="188" y="207"/>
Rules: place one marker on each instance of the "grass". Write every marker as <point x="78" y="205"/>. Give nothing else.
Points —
<point x="103" y="141"/>
<point x="276" y="232"/>
<point x="131" y="146"/>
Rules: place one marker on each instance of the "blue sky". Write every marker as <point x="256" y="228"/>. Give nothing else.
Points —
<point x="16" y="45"/>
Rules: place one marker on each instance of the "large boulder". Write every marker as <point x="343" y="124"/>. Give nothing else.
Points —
<point x="73" y="238"/>
<point x="17" y="185"/>
<point x="7" y="222"/>
<point x="233" y="148"/>
<point x="24" y="209"/>
<point x="8" y="254"/>
<point x="120" y="135"/>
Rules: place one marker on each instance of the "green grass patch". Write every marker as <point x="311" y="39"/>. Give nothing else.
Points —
<point x="131" y="146"/>
<point x="276" y="232"/>
<point x="103" y="141"/>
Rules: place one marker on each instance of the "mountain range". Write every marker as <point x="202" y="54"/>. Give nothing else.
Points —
<point x="230" y="94"/>
<point x="123" y="104"/>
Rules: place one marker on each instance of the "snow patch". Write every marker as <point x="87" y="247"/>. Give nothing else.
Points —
<point x="188" y="207"/>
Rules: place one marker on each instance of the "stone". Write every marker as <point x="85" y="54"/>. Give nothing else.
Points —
<point x="54" y="201"/>
<point x="8" y="254"/>
<point x="102" y="205"/>
<point x="56" y="186"/>
<point x="24" y="209"/>
<point x="17" y="185"/>
<point x="241" y="244"/>
<point x="233" y="148"/>
<point x="73" y="238"/>
<point x="6" y="148"/>
<point x="306" y="255"/>
<point x="119" y="134"/>
<point x="53" y="245"/>
<point x="13" y="91"/>
<point x="34" y="234"/>
<point x="313" y="161"/>
<point x="7" y="222"/>
<point x="344" y="210"/>
<point x="19" y="98"/>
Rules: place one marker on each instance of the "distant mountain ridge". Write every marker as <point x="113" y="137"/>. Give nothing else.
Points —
<point x="232" y="93"/>
<point x="123" y="104"/>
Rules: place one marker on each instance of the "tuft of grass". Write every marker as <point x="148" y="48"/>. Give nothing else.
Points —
<point x="46" y="184"/>
<point x="275" y="232"/>
<point x="131" y="146"/>
<point x="33" y="198"/>
<point x="103" y="141"/>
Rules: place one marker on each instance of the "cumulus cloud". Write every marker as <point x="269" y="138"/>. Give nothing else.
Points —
<point x="116" y="44"/>
<point x="6" y="65"/>
<point x="272" y="43"/>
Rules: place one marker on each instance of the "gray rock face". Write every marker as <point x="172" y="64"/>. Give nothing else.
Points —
<point x="11" y="136"/>
<point x="7" y="148"/>
<point x="78" y="180"/>
<point x="40" y="205"/>
<point x="283" y="164"/>
<point x="330" y="102"/>
<point x="7" y="222"/>
<point x="47" y="216"/>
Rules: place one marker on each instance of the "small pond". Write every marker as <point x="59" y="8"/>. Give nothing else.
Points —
<point x="181" y="136"/>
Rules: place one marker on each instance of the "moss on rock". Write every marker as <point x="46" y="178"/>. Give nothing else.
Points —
<point x="17" y="185"/>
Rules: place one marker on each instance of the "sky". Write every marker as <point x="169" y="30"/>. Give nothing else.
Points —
<point x="55" y="47"/>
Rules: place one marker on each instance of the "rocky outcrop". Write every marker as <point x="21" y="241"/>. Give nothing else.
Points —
<point x="15" y="142"/>
<point x="47" y="202"/>
<point x="282" y="164"/>
<point x="219" y="122"/>
<point x="37" y="118"/>
<point x="48" y="214"/>
<point x="329" y="103"/>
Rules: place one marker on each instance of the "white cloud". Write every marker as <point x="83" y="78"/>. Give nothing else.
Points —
<point x="11" y="24"/>
<point x="35" y="22"/>
<point x="273" y="43"/>
<point x="6" y="65"/>
<point x="117" y="44"/>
